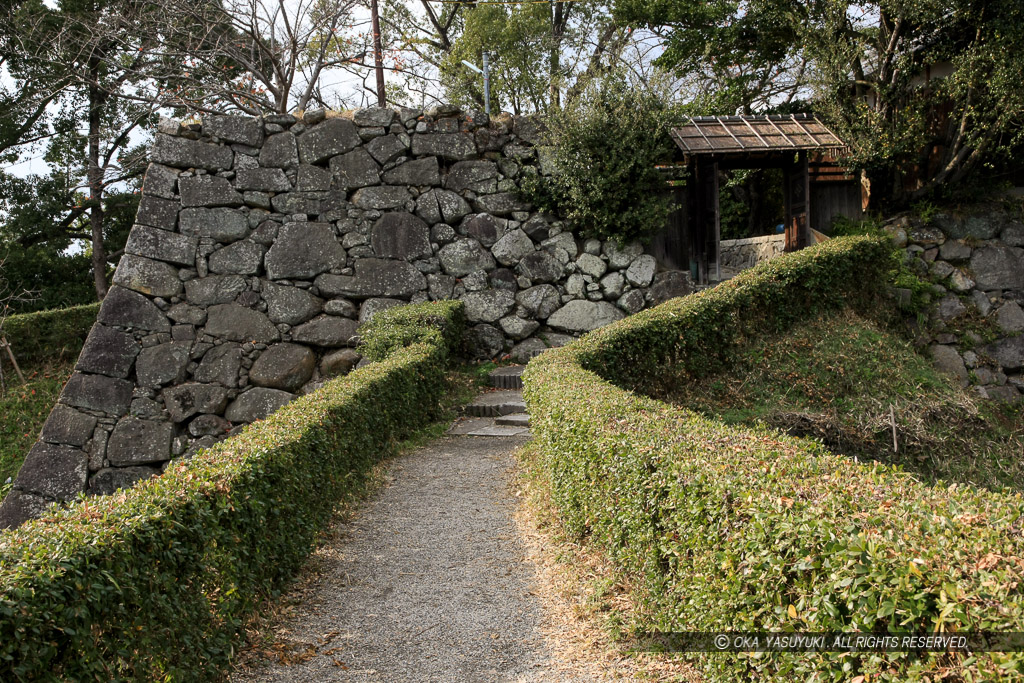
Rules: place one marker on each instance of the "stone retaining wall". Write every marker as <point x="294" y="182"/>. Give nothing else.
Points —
<point x="748" y="252"/>
<point x="262" y="244"/>
<point x="976" y="262"/>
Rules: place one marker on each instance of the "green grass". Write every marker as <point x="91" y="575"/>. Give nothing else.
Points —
<point x="24" y="409"/>
<point x="845" y="380"/>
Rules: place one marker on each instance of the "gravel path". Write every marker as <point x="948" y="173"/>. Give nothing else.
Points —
<point x="428" y="582"/>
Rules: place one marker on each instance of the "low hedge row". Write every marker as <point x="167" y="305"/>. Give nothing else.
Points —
<point x="49" y="335"/>
<point x="725" y="528"/>
<point x="154" y="583"/>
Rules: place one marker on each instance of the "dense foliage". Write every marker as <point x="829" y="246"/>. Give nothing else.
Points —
<point x="603" y="150"/>
<point x="154" y="583"/>
<point x="721" y="527"/>
<point x="48" y="336"/>
<point x="924" y="92"/>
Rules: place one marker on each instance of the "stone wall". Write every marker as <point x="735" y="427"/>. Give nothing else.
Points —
<point x="262" y="244"/>
<point x="975" y="261"/>
<point x="748" y="252"/>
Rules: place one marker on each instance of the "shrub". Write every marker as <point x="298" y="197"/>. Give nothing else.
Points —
<point x="154" y="583"/>
<point x="50" y="335"/>
<point x="436" y="322"/>
<point x="746" y="529"/>
<point x="603" y="147"/>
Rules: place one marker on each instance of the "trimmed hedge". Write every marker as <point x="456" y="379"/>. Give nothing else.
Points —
<point x="48" y="335"/>
<point x="745" y="529"/>
<point x="438" y="322"/>
<point x="155" y="582"/>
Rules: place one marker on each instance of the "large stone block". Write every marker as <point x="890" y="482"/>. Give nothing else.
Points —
<point x="1008" y="352"/>
<point x="582" y="316"/>
<point x="183" y="153"/>
<point x="330" y="138"/>
<point x="241" y="258"/>
<point x="147" y="276"/>
<point x="161" y="245"/>
<point x="464" y="256"/>
<point x="419" y="172"/>
<point x="373" y="116"/>
<point x="280" y="151"/>
<point x="998" y="267"/>
<point x="108" y="351"/>
<point x="291" y="203"/>
<point x="241" y="129"/>
<point x="388" y="147"/>
<point x="257" y="404"/>
<point x="240" y="324"/>
<point x="620" y="256"/>
<point x="501" y="204"/>
<point x="290" y="305"/>
<point x="641" y="271"/>
<point x="129" y="309"/>
<point x="454" y="146"/>
<point x="484" y="341"/>
<point x="138" y="442"/>
<point x="381" y="197"/>
<point x="185" y="400"/>
<point x="669" y="285"/>
<point x="222" y="225"/>
<point x="19" y="507"/>
<point x="326" y="331"/>
<point x="262" y="180"/>
<point x="208" y="190"/>
<point x="400" y="236"/>
<point x="484" y="228"/>
<point x="98" y="392"/>
<point x="220" y="365"/>
<point x="477" y="176"/>
<point x="68" y="426"/>
<point x="283" y="366"/>
<point x="541" y="266"/>
<point x="312" y="179"/>
<point x="355" y="169"/>
<point x="488" y="305"/>
<point x="162" y="364"/>
<point x="158" y="212"/>
<point x="56" y="472"/>
<point x="160" y="181"/>
<point x="304" y="250"/>
<point x="216" y="289"/>
<point x="374" y="277"/>
<point x="110" y="479"/>
<point x="340" y="362"/>
<point x="539" y="301"/>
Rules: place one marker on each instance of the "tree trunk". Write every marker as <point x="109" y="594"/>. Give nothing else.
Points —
<point x="557" y="29"/>
<point x="95" y="178"/>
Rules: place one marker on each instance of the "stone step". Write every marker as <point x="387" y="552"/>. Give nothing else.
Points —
<point x="509" y="377"/>
<point x="513" y="420"/>
<point x="484" y="426"/>
<point x="496" y="403"/>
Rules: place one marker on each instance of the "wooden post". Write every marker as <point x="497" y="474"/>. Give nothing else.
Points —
<point x="10" y="353"/>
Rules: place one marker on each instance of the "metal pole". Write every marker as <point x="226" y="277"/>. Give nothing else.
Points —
<point x="378" y="53"/>
<point x="487" y="84"/>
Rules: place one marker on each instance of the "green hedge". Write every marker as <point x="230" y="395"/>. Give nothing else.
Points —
<point x="733" y="528"/>
<point x="437" y="322"/>
<point x="154" y="583"/>
<point x="50" y="335"/>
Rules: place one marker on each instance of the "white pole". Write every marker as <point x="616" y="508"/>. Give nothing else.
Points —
<point x="487" y="84"/>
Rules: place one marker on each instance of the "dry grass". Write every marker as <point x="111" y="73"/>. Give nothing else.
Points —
<point x="582" y="600"/>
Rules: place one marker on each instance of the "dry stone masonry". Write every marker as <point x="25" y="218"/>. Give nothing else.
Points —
<point x="262" y="244"/>
<point x="976" y="262"/>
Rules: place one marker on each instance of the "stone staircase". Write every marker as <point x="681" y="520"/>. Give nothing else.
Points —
<point x="500" y="412"/>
